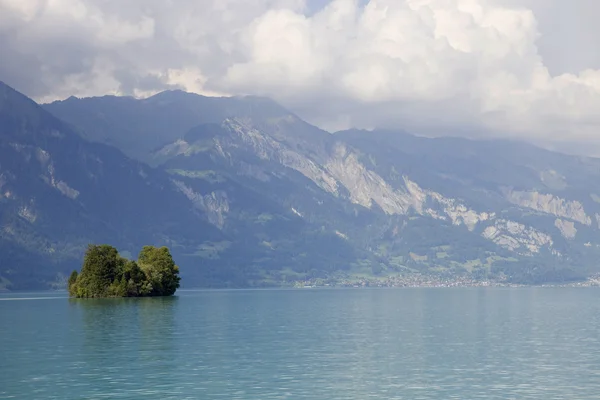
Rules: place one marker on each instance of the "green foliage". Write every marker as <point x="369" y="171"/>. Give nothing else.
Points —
<point x="106" y="274"/>
<point x="72" y="282"/>
<point x="161" y="272"/>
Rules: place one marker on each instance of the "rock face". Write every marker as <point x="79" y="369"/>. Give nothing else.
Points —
<point x="308" y="203"/>
<point x="215" y="204"/>
<point x="567" y="228"/>
<point x="517" y="237"/>
<point x="550" y="204"/>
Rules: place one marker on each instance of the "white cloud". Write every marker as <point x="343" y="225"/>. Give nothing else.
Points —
<point x="430" y="66"/>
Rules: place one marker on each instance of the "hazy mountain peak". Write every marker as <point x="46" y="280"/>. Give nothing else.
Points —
<point x="171" y="95"/>
<point x="139" y="127"/>
<point x="17" y="102"/>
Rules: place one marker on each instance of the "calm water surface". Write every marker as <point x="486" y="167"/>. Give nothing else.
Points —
<point x="477" y="343"/>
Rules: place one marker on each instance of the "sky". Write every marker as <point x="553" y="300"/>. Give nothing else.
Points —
<point x="520" y="69"/>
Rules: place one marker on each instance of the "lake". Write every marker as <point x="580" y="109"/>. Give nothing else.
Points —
<point x="453" y="343"/>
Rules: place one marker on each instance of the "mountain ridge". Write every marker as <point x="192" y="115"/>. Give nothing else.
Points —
<point x="287" y="201"/>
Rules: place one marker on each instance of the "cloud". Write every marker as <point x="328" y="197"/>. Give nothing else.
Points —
<point x="436" y="67"/>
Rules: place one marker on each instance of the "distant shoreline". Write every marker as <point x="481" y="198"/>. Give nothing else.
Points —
<point x="429" y="281"/>
<point x="384" y="282"/>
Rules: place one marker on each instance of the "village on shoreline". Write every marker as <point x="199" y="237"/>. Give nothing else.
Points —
<point x="428" y="281"/>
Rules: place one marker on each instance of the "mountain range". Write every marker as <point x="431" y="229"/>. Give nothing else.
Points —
<point x="246" y="193"/>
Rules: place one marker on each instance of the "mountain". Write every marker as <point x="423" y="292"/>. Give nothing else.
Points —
<point x="59" y="192"/>
<point x="246" y="193"/>
<point x="138" y="127"/>
<point x="405" y="204"/>
<point x="451" y="206"/>
<point x="541" y="208"/>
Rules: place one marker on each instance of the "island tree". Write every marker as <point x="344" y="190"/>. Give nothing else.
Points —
<point x="105" y="273"/>
<point x="160" y="270"/>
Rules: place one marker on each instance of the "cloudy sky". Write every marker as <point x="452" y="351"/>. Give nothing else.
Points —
<point x="508" y="68"/>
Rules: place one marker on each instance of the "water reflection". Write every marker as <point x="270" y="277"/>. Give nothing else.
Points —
<point x="127" y="344"/>
<point x="112" y="323"/>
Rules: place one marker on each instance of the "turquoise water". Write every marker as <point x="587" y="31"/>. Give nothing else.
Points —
<point x="463" y="343"/>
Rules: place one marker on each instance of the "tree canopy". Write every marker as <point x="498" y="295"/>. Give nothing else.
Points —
<point x="105" y="273"/>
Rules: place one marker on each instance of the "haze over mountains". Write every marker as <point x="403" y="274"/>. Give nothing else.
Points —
<point x="247" y="194"/>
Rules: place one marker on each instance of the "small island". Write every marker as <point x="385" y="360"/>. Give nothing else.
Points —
<point x="106" y="274"/>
